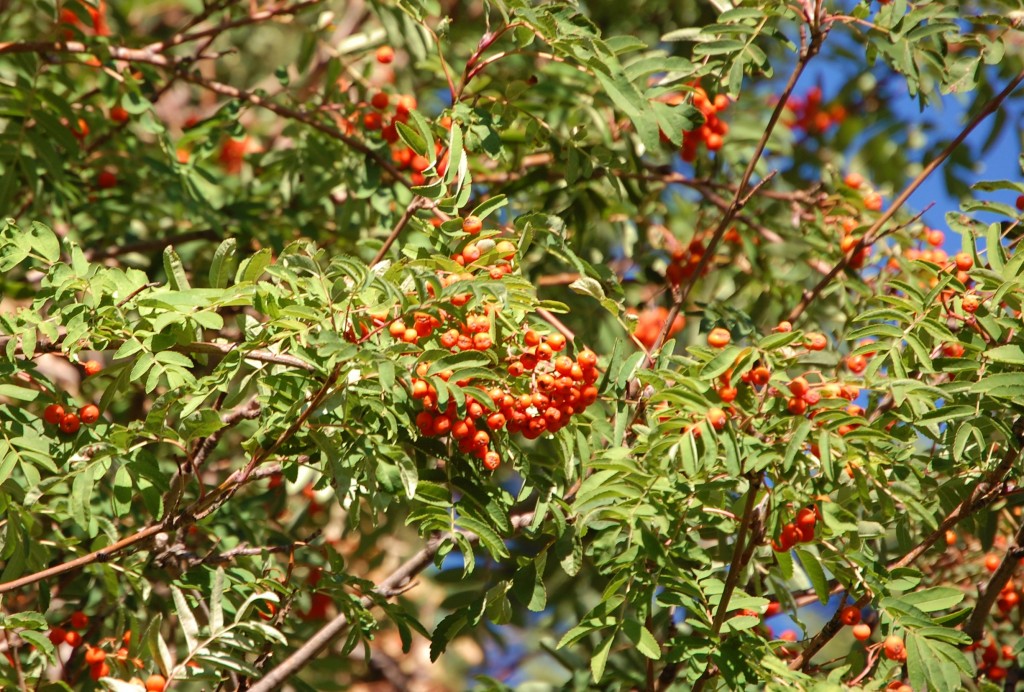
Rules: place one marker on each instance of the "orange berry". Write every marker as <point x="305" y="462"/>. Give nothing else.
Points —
<point x="57" y="635"/>
<point x="894" y="649"/>
<point x="799" y="386"/>
<point x="848" y="243"/>
<point x="82" y="131"/>
<point x="587" y="358"/>
<point x="380" y="100"/>
<point x="807" y="518"/>
<point x="963" y="261"/>
<point x="73" y="638"/>
<point x="491" y="460"/>
<point x="155" y="683"/>
<point x="119" y="114"/>
<point x="796" y="406"/>
<point x="992" y="562"/>
<point x="934" y="237"/>
<point x="91" y="367"/>
<point x="69" y="424"/>
<point x="472" y="225"/>
<point x="99" y="670"/>
<point x="850" y="615"/>
<point x="53" y="414"/>
<point x="862" y="632"/>
<point x="873" y="201"/>
<point x="854" y="180"/>
<point x="419" y="163"/>
<point x="716" y="418"/>
<point x="815" y="341"/>
<point x="760" y="375"/>
<point x="719" y="337"/>
<point x="857" y="363"/>
<point x="556" y="342"/>
<point x="94" y="654"/>
<point x="89" y="414"/>
<point x="385" y="54"/>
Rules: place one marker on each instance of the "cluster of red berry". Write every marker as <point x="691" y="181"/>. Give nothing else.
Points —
<point x="69" y="422"/>
<point x="684" y="262"/>
<point x="803" y="393"/>
<point x="801" y="530"/>
<point x="990" y="655"/>
<point x="556" y="388"/>
<point x="96" y="657"/>
<point x="810" y="115"/>
<point x="712" y="133"/>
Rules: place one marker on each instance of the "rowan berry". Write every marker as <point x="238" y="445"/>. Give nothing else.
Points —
<point x="472" y="225"/>
<point x="850" y="615"/>
<point x="719" y="337"/>
<point x="53" y="414"/>
<point x="963" y="261"/>
<point x="69" y="424"/>
<point x="716" y="418"/>
<point x="89" y="414"/>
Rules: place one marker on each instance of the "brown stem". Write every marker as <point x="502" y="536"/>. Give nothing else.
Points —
<point x="735" y="568"/>
<point x="417" y="203"/>
<point x="394" y="584"/>
<point x="150" y="245"/>
<point x="254" y="18"/>
<point x="987" y="596"/>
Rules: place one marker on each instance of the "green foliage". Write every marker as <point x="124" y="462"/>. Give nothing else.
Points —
<point x="241" y="236"/>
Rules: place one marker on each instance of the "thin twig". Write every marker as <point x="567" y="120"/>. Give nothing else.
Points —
<point x="395" y="583"/>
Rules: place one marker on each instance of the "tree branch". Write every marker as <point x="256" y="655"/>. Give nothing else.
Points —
<point x="394" y="584"/>
<point x="987" y="596"/>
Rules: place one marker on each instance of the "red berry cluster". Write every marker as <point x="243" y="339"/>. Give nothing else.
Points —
<point x="712" y="133"/>
<point x="810" y="115"/>
<point x="473" y="251"/>
<point x="69" y="422"/>
<point x="684" y="262"/>
<point x="555" y="387"/>
<point x="991" y="652"/>
<point x="97" y="658"/>
<point x="799" y="531"/>
<point x="547" y="390"/>
<point x="77" y="621"/>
